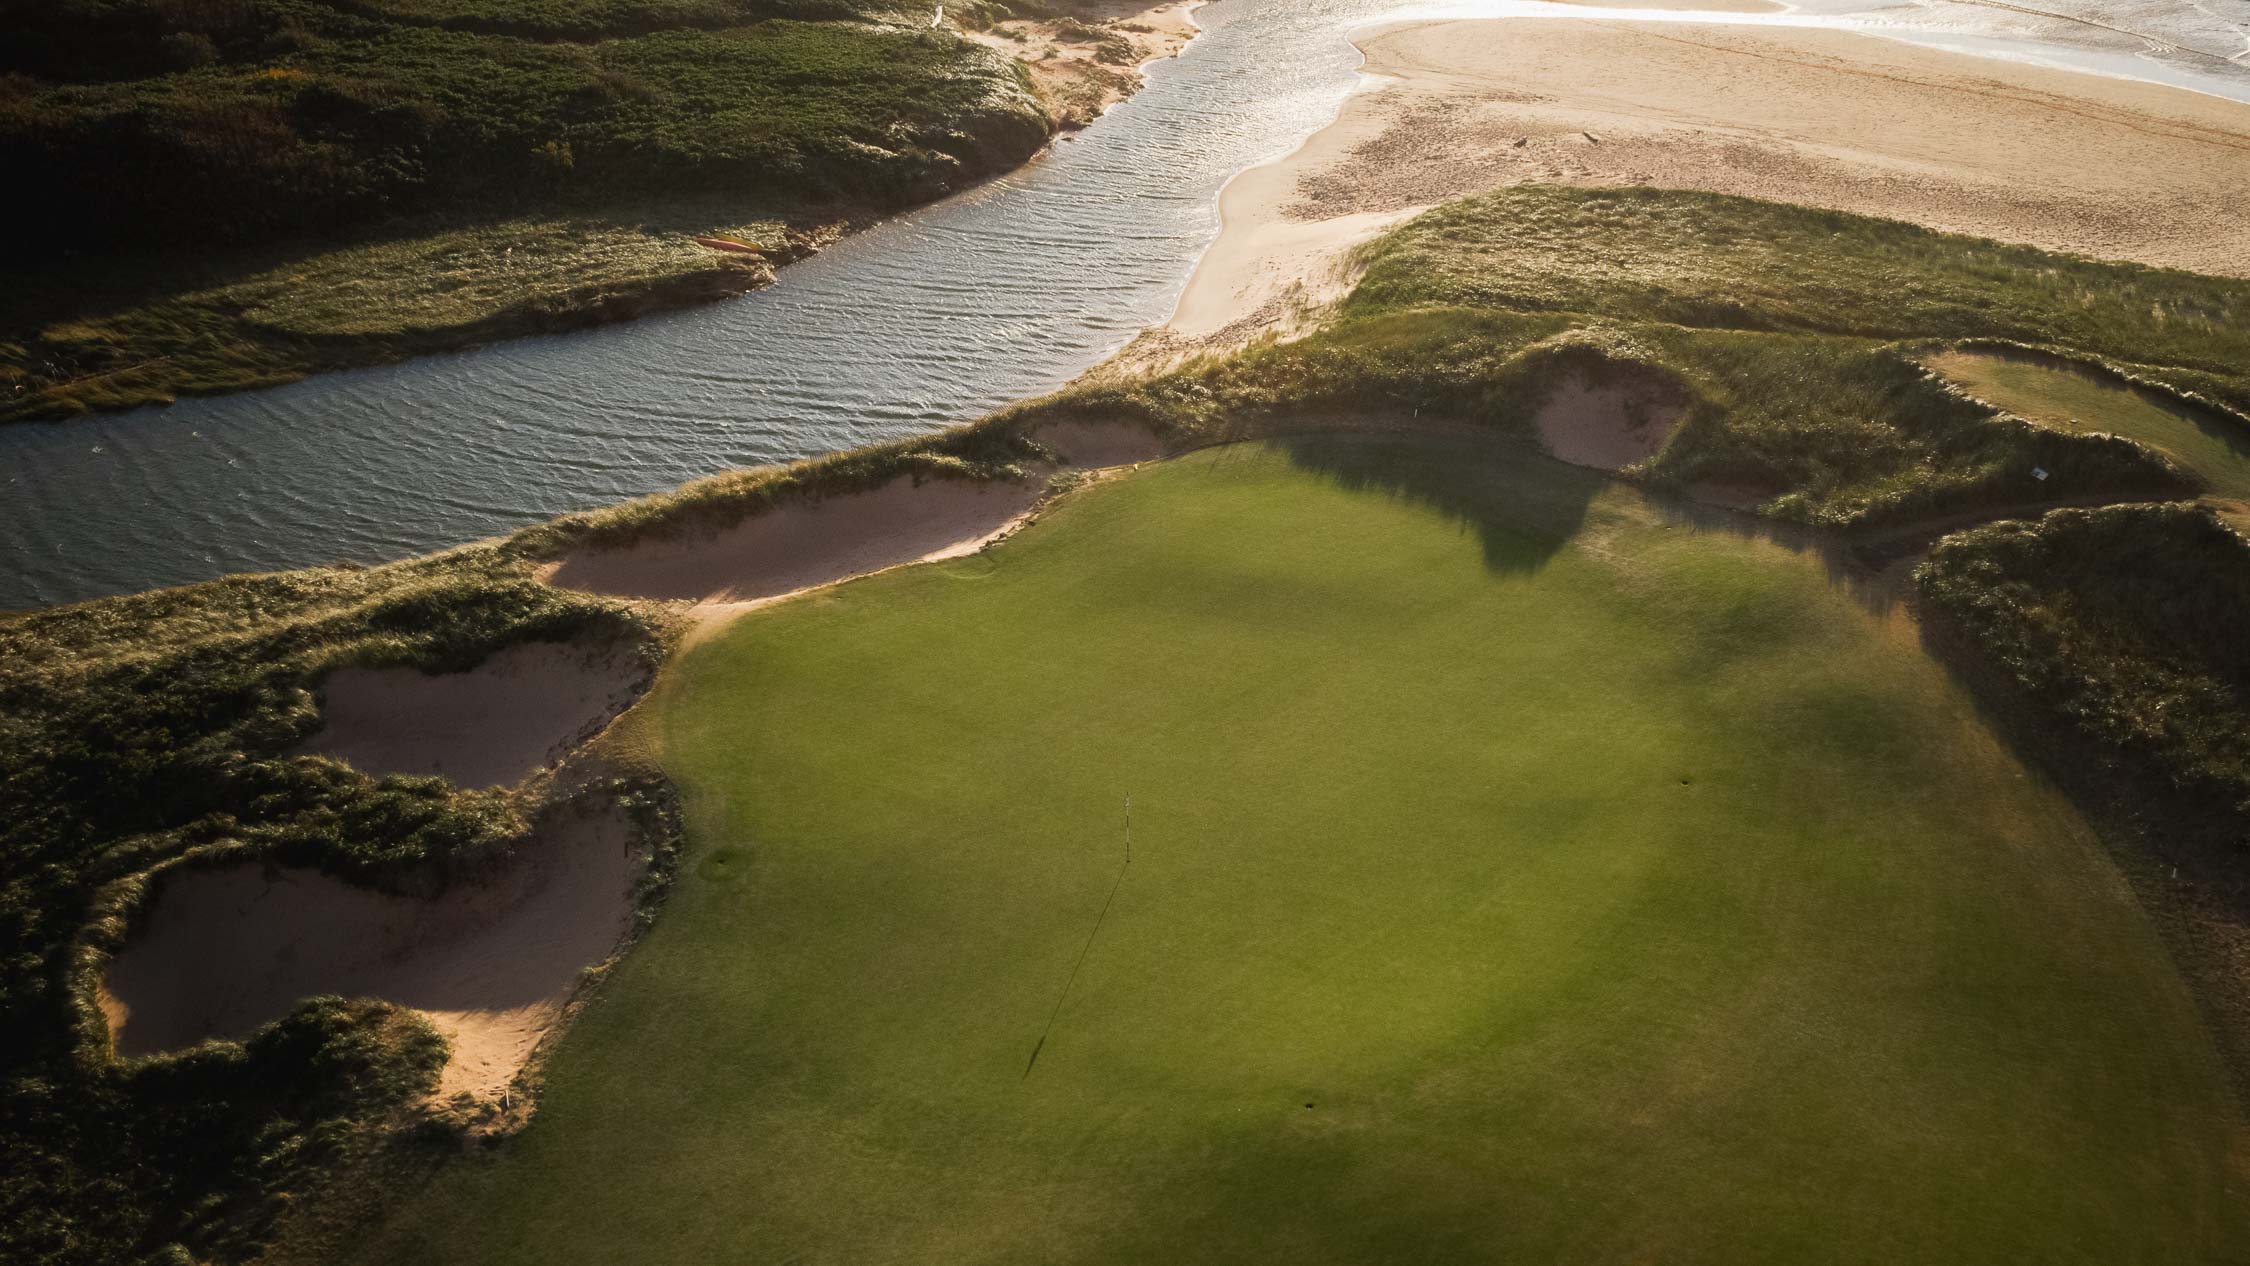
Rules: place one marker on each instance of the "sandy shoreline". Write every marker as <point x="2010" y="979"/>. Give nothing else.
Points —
<point x="1091" y="59"/>
<point x="2064" y="160"/>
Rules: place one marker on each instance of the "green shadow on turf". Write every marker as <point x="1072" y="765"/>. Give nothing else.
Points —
<point x="1519" y="528"/>
<point x="1522" y="524"/>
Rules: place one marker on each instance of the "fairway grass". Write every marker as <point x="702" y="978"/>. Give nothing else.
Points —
<point x="1517" y="874"/>
<point x="2080" y="400"/>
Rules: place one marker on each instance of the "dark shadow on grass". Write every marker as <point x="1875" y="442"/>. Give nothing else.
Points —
<point x="2181" y="854"/>
<point x="1525" y="506"/>
<point x="1876" y="577"/>
<point x="1521" y="519"/>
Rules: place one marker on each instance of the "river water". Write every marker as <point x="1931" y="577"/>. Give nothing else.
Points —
<point x="1004" y="292"/>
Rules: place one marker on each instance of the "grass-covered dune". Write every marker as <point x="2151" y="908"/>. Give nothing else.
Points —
<point x="1793" y="333"/>
<point x="218" y="194"/>
<point x="2125" y="620"/>
<point x="1517" y="873"/>
<point x="196" y="124"/>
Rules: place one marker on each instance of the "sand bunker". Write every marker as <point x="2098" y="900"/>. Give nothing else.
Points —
<point x="807" y="544"/>
<point x="491" y="966"/>
<point x="492" y="725"/>
<point x="1606" y="426"/>
<point x="1100" y="445"/>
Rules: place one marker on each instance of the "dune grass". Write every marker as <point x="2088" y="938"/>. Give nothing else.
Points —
<point x="2216" y="450"/>
<point x="1516" y="875"/>
<point x="1791" y="332"/>
<point x="1711" y="261"/>
<point x="2121" y="628"/>
<point x="100" y="336"/>
<point x="304" y="116"/>
<point x="232" y="193"/>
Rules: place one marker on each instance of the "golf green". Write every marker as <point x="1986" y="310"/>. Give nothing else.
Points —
<point x="2068" y="399"/>
<point x="1517" y="874"/>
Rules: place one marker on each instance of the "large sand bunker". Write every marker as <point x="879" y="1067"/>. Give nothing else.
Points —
<point x="491" y="966"/>
<point x="520" y="709"/>
<point x="806" y="544"/>
<point x="1608" y="426"/>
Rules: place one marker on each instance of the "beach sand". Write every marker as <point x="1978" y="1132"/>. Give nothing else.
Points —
<point x="2072" y="162"/>
<point x="1087" y="56"/>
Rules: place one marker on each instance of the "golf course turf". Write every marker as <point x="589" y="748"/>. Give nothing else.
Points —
<point x="2215" y="450"/>
<point x="1518" y="873"/>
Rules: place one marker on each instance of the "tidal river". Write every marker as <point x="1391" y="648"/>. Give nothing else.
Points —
<point x="1004" y="292"/>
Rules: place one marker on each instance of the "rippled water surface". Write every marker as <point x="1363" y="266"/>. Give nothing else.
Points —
<point x="1005" y="292"/>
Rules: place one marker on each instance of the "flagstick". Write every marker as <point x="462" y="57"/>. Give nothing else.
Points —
<point x="1080" y="965"/>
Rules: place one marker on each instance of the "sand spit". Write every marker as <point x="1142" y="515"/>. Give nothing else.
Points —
<point x="1090" y="58"/>
<point x="1608" y="426"/>
<point x="1277" y="271"/>
<point x="805" y="545"/>
<point x="2067" y="161"/>
<point x="491" y="966"/>
<point x="516" y="712"/>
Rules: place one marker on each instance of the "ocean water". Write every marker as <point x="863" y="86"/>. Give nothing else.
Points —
<point x="1001" y="293"/>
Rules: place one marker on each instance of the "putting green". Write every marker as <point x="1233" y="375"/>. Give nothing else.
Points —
<point x="1515" y="876"/>
<point x="2073" y="400"/>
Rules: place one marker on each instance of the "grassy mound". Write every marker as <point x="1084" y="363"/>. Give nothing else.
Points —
<point x="109" y="336"/>
<point x="1792" y="330"/>
<point x="295" y="114"/>
<point x="187" y="155"/>
<point x="2123" y="625"/>
<point x="1515" y="874"/>
<point x="2110" y="643"/>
